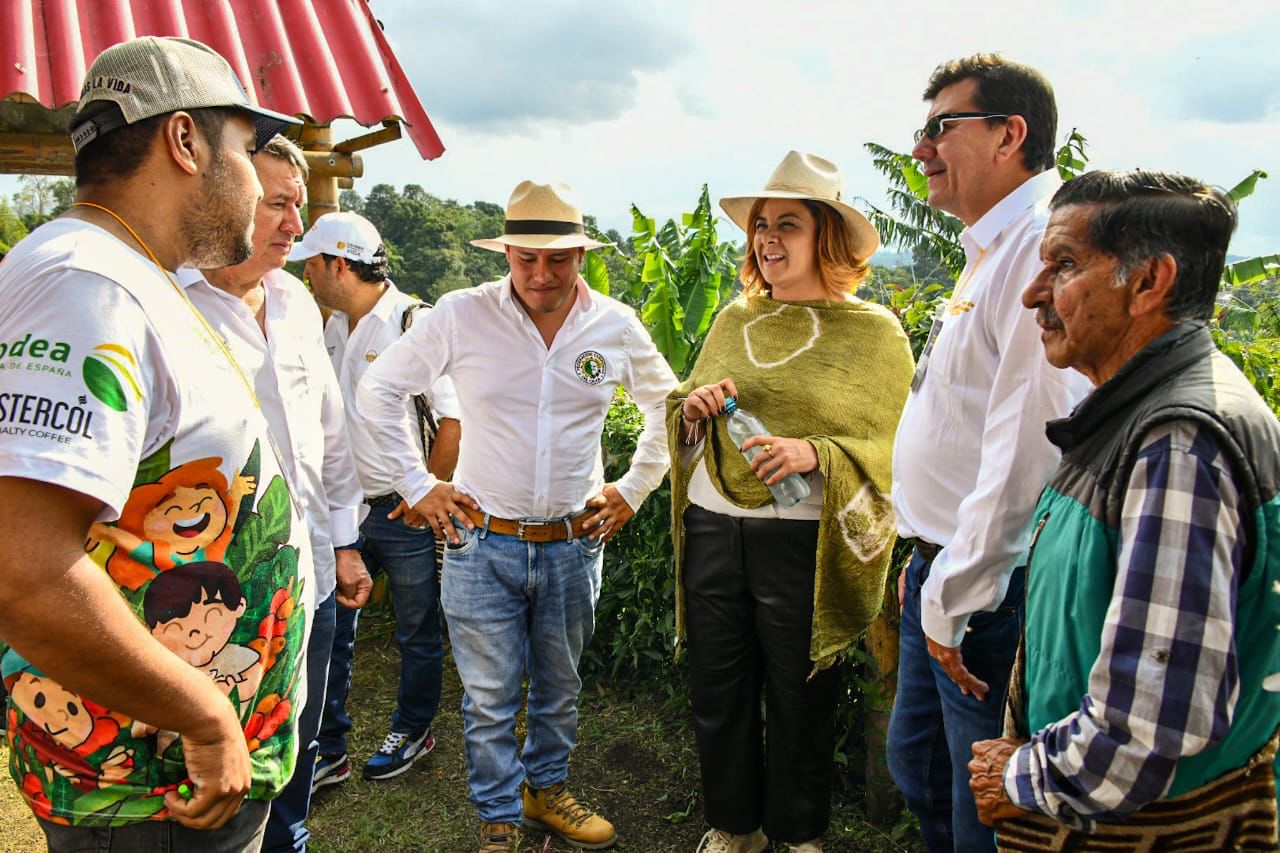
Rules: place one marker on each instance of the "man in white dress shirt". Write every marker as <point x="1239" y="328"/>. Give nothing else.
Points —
<point x="971" y="456"/>
<point x="536" y="358"/>
<point x="347" y="269"/>
<point x="273" y="328"/>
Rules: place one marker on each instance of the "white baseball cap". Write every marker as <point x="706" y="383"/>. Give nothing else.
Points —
<point x="347" y="235"/>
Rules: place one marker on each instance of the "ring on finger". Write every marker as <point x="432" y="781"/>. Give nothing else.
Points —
<point x="768" y="449"/>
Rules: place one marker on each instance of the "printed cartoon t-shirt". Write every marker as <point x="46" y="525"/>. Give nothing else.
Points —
<point x="111" y="386"/>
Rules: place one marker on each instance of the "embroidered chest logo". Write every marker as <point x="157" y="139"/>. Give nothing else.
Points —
<point x="590" y="367"/>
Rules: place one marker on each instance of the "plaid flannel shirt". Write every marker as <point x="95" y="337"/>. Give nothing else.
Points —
<point x="1182" y="541"/>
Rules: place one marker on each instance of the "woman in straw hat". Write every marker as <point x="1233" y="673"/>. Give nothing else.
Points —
<point x="768" y="597"/>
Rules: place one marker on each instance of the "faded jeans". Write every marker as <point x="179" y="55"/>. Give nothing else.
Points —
<point x="516" y="606"/>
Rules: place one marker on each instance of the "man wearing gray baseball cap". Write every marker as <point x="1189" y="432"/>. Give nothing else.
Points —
<point x="154" y="566"/>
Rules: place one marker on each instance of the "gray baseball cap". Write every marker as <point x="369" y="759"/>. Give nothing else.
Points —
<point x="154" y="75"/>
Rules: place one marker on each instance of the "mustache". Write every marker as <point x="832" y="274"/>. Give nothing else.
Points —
<point x="1048" y="318"/>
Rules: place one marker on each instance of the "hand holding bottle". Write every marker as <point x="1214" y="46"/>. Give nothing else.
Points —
<point x="783" y="456"/>
<point x="777" y="461"/>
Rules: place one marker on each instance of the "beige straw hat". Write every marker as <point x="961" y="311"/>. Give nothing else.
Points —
<point x="807" y="176"/>
<point x="542" y="216"/>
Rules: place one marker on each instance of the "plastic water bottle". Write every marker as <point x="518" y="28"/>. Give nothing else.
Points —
<point x="788" y="491"/>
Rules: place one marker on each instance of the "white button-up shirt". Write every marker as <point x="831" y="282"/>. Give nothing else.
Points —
<point x="352" y="351"/>
<point x="299" y="396"/>
<point x="533" y="415"/>
<point x="970" y="457"/>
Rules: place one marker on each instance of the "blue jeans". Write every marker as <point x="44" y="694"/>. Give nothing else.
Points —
<point x="407" y="555"/>
<point x="286" y="825"/>
<point x="934" y="725"/>
<point x="516" y="606"/>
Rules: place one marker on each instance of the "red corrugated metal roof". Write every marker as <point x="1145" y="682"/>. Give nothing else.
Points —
<point x="323" y="59"/>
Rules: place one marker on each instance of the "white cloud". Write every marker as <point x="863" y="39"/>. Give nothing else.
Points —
<point x="644" y="102"/>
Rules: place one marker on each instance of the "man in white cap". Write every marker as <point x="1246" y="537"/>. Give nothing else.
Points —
<point x="126" y="425"/>
<point x="274" y="329"/>
<point x="536" y="358"/>
<point x="347" y="269"/>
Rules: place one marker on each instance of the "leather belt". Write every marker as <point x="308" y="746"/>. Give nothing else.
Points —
<point x="557" y="530"/>
<point x="383" y="500"/>
<point x="927" y="549"/>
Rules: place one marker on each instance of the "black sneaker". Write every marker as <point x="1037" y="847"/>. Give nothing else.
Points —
<point x="397" y="754"/>
<point x="330" y="770"/>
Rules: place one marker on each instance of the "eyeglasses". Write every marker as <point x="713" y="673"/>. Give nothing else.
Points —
<point x="936" y="126"/>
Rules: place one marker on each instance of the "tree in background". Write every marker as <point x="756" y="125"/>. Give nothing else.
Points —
<point x="11" y="228"/>
<point x="42" y="197"/>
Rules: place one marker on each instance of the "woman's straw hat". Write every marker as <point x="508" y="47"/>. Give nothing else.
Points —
<point x="807" y="176"/>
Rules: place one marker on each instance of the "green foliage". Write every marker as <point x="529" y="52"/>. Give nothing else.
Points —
<point x="11" y="228"/>
<point x="1245" y="188"/>
<point x="910" y="222"/>
<point x="635" y="617"/>
<point x="685" y="274"/>
<point x="1247" y="324"/>
<point x="42" y="197"/>
<point x="1072" y="157"/>
<point x="428" y="238"/>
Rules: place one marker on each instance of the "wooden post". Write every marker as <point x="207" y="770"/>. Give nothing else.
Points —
<point x="884" y="803"/>
<point x="322" y="188"/>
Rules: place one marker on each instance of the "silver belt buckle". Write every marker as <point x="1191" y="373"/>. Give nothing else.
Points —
<point x="520" y="525"/>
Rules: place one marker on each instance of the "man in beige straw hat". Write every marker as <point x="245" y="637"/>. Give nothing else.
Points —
<point x="971" y="456"/>
<point x="121" y="406"/>
<point x="535" y="358"/>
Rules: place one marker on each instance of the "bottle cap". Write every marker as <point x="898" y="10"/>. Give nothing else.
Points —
<point x="730" y="405"/>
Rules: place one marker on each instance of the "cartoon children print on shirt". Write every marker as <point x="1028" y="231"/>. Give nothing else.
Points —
<point x="192" y="610"/>
<point x="186" y="516"/>
<point x="64" y="729"/>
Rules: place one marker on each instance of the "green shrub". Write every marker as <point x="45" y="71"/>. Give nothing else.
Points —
<point x="635" y="618"/>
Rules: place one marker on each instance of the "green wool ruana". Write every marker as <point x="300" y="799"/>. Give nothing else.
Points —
<point x="835" y="373"/>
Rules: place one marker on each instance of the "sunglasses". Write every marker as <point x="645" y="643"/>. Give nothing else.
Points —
<point x="936" y="126"/>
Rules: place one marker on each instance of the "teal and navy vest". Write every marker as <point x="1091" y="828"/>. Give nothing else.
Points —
<point x="1179" y="376"/>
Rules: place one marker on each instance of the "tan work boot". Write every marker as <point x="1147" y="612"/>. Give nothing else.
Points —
<point x="719" y="841"/>
<point x="499" y="838"/>
<point x="814" y="846"/>
<point x="555" y="810"/>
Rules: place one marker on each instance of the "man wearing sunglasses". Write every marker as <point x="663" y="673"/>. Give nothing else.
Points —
<point x="971" y="455"/>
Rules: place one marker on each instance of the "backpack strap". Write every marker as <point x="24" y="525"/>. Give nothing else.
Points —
<point x="427" y="425"/>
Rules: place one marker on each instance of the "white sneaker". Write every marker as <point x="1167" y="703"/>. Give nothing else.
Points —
<point x="807" y="847"/>
<point x="717" y="841"/>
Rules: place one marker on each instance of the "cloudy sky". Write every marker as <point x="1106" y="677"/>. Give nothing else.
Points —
<point x="644" y="102"/>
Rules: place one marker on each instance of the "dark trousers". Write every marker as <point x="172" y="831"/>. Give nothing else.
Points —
<point x="287" y="825"/>
<point x="408" y="556"/>
<point x="748" y="586"/>
<point x="241" y="834"/>
<point x="934" y="725"/>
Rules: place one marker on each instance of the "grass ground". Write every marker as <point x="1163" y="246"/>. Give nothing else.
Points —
<point x="635" y="762"/>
